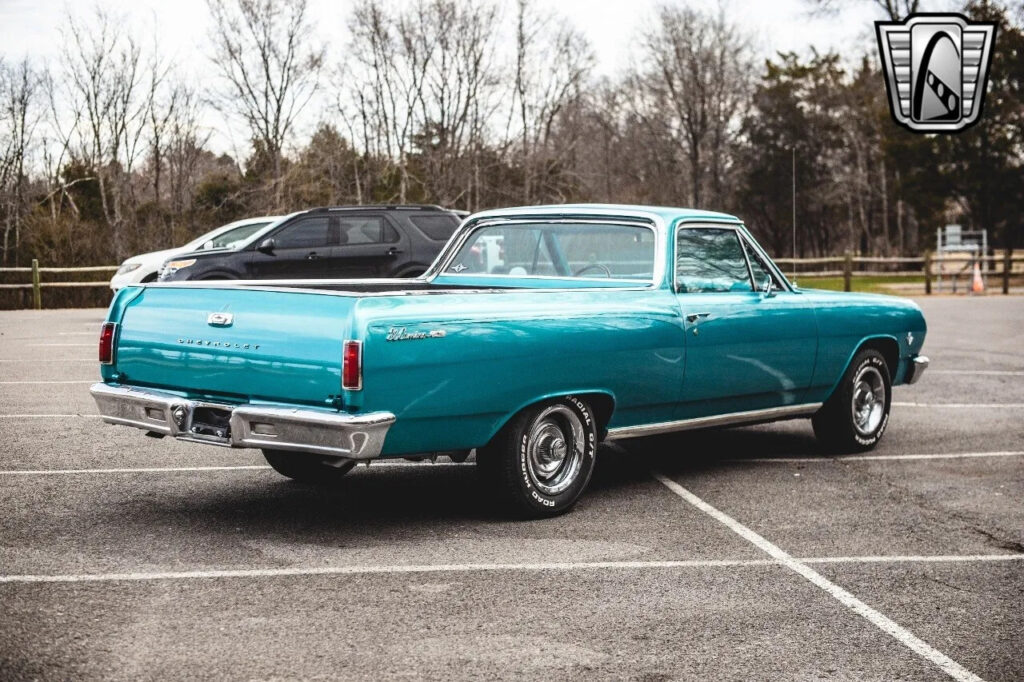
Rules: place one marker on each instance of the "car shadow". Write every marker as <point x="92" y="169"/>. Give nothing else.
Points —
<point x="702" y="450"/>
<point x="414" y="500"/>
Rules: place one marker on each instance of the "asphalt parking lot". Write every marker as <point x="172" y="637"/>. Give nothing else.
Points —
<point x="731" y="555"/>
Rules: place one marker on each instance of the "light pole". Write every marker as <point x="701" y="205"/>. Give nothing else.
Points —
<point x="793" y="150"/>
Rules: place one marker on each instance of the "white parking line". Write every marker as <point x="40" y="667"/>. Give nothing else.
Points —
<point x="359" y="570"/>
<point x="60" y="345"/>
<point x="166" y="470"/>
<point x="36" y="360"/>
<point x="470" y="568"/>
<point x="914" y="558"/>
<point x="376" y="464"/>
<point x="847" y="599"/>
<point x="861" y="458"/>
<point x="48" y="416"/>
<point x="81" y="381"/>
<point x="981" y="372"/>
<point x="960" y="406"/>
<point x="128" y="470"/>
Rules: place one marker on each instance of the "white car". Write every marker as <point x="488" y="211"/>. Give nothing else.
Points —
<point x="146" y="266"/>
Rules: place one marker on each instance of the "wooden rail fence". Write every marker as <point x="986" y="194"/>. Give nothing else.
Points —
<point x="37" y="284"/>
<point x="930" y="266"/>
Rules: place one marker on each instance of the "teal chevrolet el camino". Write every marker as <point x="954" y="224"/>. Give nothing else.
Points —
<point x="538" y="332"/>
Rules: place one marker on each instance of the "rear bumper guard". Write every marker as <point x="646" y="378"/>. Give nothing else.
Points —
<point x="353" y="436"/>
<point x="915" y="369"/>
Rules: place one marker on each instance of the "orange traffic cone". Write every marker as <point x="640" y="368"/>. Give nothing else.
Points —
<point x="977" y="284"/>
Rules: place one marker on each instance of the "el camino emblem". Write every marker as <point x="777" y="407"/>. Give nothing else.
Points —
<point x="402" y="334"/>
<point x="220" y="319"/>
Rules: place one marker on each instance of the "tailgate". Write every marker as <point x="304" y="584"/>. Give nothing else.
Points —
<point x="266" y="345"/>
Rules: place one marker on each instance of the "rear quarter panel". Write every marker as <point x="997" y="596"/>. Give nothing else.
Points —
<point x="501" y="351"/>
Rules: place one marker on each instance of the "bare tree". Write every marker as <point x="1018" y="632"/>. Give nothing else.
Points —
<point x="270" y="60"/>
<point x="19" y="114"/>
<point x="186" y="143"/>
<point x="458" y="95"/>
<point x="163" y="101"/>
<point x="894" y="9"/>
<point x="389" y="57"/>
<point x="553" y="61"/>
<point x="103" y="86"/>
<point x="696" y="70"/>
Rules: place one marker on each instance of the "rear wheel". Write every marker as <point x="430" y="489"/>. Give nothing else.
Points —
<point x="307" y="468"/>
<point x="541" y="461"/>
<point x="855" y="417"/>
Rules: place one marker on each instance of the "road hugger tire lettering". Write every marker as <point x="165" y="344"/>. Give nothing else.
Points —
<point x="855" y="417"/>
<point x="542" y="460"/>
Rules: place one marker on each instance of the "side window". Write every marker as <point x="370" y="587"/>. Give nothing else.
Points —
<point x="307" y="233"/>
<point x="436" y="227"/>
<point x="710" y="259"/>
<point x="366" y="230"/>
<point x="760" y="269"/>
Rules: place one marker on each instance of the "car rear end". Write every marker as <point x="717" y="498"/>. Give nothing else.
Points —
<point x="238" y="367"/>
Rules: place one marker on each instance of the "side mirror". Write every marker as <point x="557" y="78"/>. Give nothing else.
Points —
<point x="266" y="246"/>
<point x="768" y="288"/>
<point x="208" y="244"/>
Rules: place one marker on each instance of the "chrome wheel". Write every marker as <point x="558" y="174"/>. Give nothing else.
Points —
<point x="554" y="449"/>
<point x="869" y="400"/>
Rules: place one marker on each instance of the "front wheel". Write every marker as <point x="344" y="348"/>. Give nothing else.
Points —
<point x="855" y="417"/>
<point x="541" y="461"/>
<point x="306" y="468"/>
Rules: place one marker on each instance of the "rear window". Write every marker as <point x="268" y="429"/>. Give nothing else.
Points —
<point x="438" y="227"/>
<point x="549" y="249"/>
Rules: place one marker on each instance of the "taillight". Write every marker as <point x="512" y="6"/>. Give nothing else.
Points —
<point x="107" y="333"/>
<point x="352" y="366"/>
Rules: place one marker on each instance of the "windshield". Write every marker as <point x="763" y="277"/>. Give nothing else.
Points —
<point x="231" y="237"/>
<point x="581" y="250"/>
<point x="226" y="238"/>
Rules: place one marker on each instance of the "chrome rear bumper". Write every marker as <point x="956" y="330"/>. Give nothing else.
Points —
<point x="353" y="436"/>
<point x="915" y="368"/>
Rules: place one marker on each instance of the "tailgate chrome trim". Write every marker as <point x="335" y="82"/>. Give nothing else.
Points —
<point x="280" y="427"/>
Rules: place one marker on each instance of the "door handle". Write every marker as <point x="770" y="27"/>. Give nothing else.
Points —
<point x="313" y="255"/>
<point x="693" y="317"/>
<point x="393" y="251"/>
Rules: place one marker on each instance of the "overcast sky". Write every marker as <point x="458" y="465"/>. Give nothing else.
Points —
<point x="32" y="27"/>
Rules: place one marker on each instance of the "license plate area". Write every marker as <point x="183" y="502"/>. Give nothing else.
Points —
<point x="210" y="422"/>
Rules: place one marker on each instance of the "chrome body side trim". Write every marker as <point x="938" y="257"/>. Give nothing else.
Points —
<point x="733" y="419"/>
<point x="336" y="434"/>
<point x="916" y="368"/>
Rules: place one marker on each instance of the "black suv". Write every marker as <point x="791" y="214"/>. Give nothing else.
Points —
<point x="336" y="242"/>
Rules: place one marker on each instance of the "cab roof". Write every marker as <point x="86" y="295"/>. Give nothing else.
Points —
<point x="666" y="213"/>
